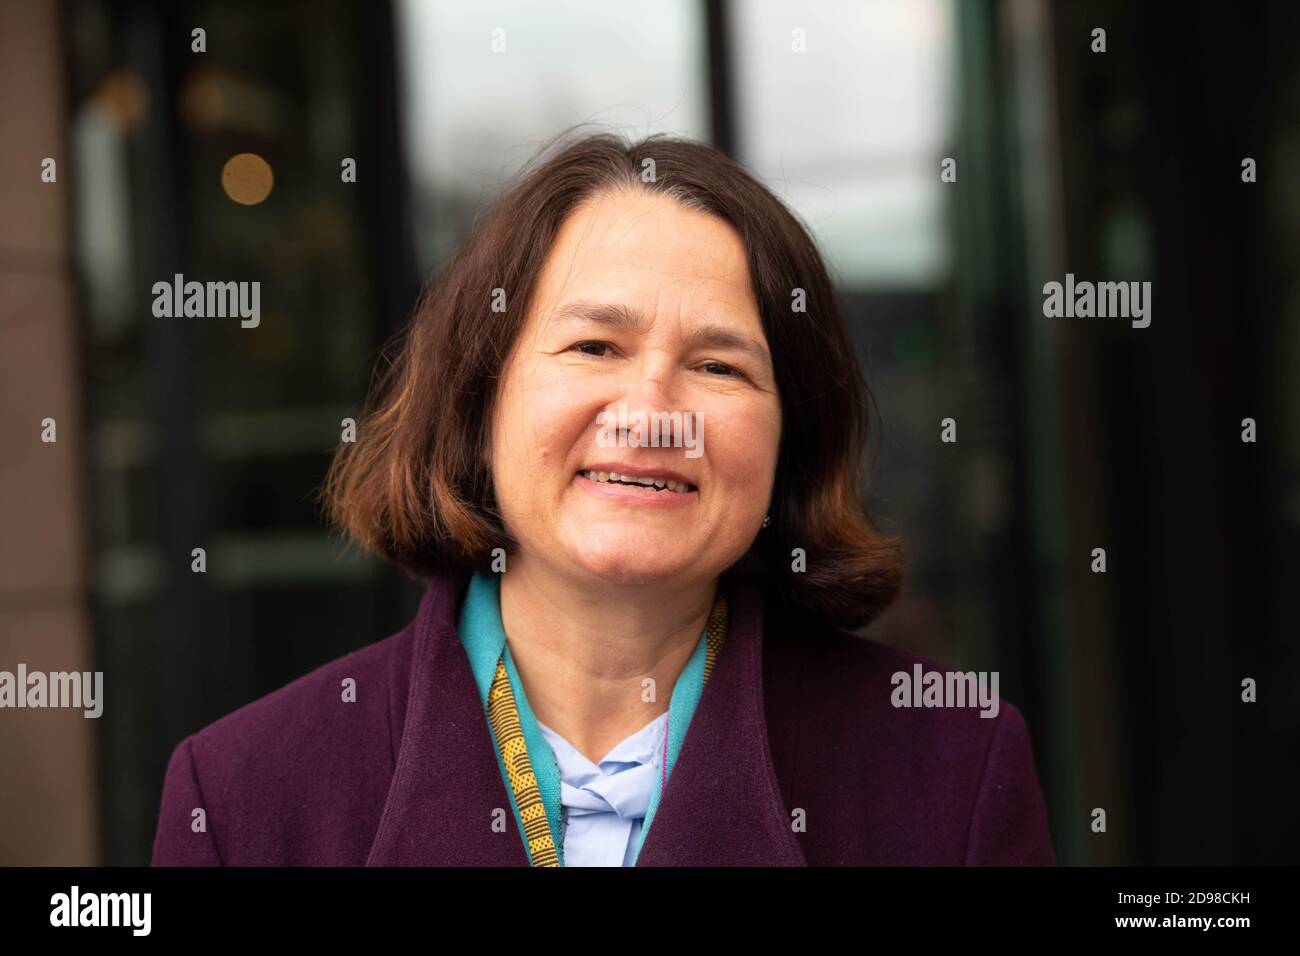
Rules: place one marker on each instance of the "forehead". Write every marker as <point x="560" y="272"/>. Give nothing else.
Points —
<point x="649" y="251"/>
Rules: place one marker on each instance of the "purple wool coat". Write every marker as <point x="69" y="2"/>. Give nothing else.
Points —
<point x="792" y="719"/>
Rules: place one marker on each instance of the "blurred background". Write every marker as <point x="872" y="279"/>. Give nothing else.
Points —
<point x="1073" y="434"/>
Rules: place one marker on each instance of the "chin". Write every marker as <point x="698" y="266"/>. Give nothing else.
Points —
<point x="639" y="563"/>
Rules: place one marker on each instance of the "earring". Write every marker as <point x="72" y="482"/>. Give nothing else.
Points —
<point x="767" y="520"/>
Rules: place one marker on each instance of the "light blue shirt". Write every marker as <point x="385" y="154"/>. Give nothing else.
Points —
<point x="605" y="804"/>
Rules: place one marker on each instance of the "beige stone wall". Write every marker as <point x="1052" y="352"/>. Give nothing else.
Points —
<point x="48" y="787"/>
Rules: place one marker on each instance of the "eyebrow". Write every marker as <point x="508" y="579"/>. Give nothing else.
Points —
<point x="623" y="318"/>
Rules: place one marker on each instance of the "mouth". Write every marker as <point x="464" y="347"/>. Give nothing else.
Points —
<point x="661" y="482"/>
<point x="619" y="483"/>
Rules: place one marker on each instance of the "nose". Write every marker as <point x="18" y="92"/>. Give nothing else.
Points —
<point x="651" y="384"/>
<point x="654" y="392"/>
<point x="650" y="395"/>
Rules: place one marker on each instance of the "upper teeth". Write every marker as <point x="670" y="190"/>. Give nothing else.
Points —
<point x="647" y="480"/>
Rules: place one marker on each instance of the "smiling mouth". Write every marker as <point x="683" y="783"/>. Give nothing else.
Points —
<point x="651" y="482"/>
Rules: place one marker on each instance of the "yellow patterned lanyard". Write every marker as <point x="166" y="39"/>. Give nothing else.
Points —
<point x="503" y="715"/>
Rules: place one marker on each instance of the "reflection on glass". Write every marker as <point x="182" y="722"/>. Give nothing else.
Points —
<point x="844" y="110"/>
<point x="487" y="82"/>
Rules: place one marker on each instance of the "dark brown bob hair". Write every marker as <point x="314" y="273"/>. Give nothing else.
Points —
<point x="415" y="487"/>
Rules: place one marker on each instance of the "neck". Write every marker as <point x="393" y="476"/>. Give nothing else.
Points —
<point x="583" y="654"/>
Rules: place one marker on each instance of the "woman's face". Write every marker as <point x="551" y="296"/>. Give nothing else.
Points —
<point x="690" y="343"/>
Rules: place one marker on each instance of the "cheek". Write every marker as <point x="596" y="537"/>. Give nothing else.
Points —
<point x="539" y="426"/>
<point x="743" y="453"/>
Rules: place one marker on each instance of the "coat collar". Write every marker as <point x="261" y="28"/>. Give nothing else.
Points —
<point x="722" y="805"/>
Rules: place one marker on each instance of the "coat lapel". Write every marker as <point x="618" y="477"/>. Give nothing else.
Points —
<point x="722" y="805"/>
<point x="446" y="787"/>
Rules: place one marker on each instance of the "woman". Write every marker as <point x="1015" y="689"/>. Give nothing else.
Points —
<point x="621" y="439"/>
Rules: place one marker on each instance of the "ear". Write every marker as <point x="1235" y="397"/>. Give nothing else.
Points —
<point x="485" y="454"/>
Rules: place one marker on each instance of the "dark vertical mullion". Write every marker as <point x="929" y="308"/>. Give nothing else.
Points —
<point x="384" y="180"/>
<point x="385" y="200"/>
<point x="1023" y="607"/>
<point x="156" y="39"/>
<point x="722" y="101"/>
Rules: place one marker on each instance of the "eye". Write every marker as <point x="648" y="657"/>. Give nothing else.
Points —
<point x="727" y="370"/>
<point x="590" y="345"/>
